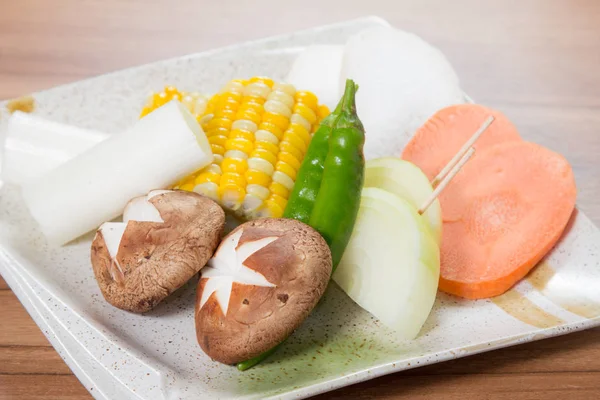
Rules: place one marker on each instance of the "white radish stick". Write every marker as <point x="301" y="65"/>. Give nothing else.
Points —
<point x="76" y="197"/>
<point x="463" y="150"/>
<point x="35" y="145"/>
<point x="447" y="180"/>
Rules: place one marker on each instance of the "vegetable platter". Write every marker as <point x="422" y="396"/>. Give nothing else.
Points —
<point x="437" y="223"/>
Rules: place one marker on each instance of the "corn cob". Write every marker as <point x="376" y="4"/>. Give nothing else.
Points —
<point x="194" y="102"/>
<point x="259" y="131"/>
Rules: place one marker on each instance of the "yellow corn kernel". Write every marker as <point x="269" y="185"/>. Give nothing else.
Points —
<point x="287" y="147"/>
<point x="280" y="190"/>
<point x="261" y="144"/>
<point x="286" y="169"/>
<point x="295" y="141"/>
<point x="188" y="187"/>
<point x="289" y="159"/>
<point x="233" y="179"/>
<point x="216" y="149"/>
<point x="240" y="144"/>
<point x="271" y="210"/>
<point x="307" y="98"/>
<point x="280" y="201"/>
<point x="301" y="131"/>
<point x="271" y="127"/>
<point x="262" y="79"/>
<point x="217" y="139"/>
<point x="248" y="112"/>
<point x="231" y="96"/>
<point x="207" y="176"/>
<point x="171" y="90"/>
<point x="145" y="111"/>
<point x="225" y="113"/>
<point x="257" y="178"/>
<point x="265" y="155"/>
<point x="305" y="112"/>
<point x="219" y="123"/>
<point x="279" y="121"/>
<point x="242" y="134"/>
<point x="323" y="111"/>
<point x="237" y="165"/>
<point x="217" y="131"/>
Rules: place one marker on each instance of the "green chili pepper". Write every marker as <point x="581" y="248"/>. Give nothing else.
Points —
<point x="308" y="180"/>
<point x="326" y="194"/>
<point x="337" y="202"/>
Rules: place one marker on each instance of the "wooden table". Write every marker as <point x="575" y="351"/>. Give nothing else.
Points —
<point x="538" y="61"/>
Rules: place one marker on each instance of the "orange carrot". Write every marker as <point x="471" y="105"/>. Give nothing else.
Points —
<point x="502" y="213"/>
<point x="436" y="142"/>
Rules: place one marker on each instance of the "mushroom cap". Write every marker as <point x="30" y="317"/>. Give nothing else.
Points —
<point x="290" y="266"/>
<point x="156" y="258"/>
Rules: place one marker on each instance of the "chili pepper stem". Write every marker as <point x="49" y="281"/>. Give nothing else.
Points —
<point x="245" y="365"/>
<point x="348" y="103"/>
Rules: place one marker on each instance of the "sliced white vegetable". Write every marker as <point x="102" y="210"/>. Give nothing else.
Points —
<point x="317" y="69"/>
<point x="406" y="180"/>
<point x="402" y="81"/>
<point x="391" y="266"/>
<point x="227" y="267"/>
<point x="112" y="232"/>
<point x="35" y="145"/>
<point x="76" y="197"/>
<point x="138" y="209"/>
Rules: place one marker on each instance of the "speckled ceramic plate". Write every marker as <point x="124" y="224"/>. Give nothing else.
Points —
<point x="118" y="355"/>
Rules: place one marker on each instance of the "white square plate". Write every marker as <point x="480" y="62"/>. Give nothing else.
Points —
<point x="119" y="355"/>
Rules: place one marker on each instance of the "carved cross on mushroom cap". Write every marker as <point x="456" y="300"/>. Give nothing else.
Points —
<point x="227" y="267"/>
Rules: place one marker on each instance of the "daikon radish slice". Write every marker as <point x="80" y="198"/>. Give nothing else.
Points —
<point x="79" y="195"/>
<point x="318" y="69"/>
<point x="35" y="145"/>
<point x="403" y="81"/>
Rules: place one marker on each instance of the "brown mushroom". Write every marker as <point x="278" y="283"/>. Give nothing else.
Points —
<point x="165" y="238"/>
<point x="263" y="281"/>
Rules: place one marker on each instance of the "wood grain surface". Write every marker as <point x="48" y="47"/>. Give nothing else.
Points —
<point x="536" y="60"/>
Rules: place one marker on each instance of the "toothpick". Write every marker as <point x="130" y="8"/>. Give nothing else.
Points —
<point x="447" y="179"/>
<point x="463" y="150"/>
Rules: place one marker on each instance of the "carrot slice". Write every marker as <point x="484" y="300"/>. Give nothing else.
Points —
<point x="436" y="142"/>
<point x="502" y="213"/>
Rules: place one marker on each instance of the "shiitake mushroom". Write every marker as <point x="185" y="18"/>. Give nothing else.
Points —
<point x="165" y="238"/>
<point x="263" y="281"/>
